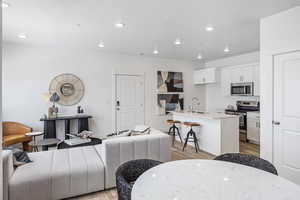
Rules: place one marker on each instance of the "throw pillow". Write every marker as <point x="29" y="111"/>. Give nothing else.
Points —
<point x="21" y="158"/>
<point x="140" y="130"/>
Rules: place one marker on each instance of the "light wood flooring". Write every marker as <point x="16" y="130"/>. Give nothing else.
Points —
<point x="177" y="154"/>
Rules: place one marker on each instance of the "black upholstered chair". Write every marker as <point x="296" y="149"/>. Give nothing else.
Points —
<point x="249" y="160"/>
<point x="128" y="173"/>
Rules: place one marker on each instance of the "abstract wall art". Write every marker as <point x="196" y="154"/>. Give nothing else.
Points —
<point x="169" y="82"/>
<point x="169" y="102"/>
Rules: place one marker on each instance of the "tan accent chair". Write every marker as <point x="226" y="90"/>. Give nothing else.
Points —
<point x="14" y="132"/>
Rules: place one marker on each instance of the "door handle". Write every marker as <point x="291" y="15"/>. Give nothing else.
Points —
<point x="118" y="105"/>
<point x="276" y="123"/>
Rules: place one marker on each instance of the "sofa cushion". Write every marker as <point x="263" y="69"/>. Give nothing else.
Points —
<point x="114" y="152"/>
<point x="8" y="171"/>
<point x="58" y="174"/>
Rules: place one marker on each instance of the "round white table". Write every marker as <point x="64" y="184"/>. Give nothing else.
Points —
<point x="211" y="180"/>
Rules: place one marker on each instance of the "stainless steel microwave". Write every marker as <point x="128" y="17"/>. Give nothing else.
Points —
<point x="242" y="89"/>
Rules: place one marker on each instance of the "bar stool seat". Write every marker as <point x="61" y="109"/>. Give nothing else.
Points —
<point x="192" y="124"/>
<point x="191" y="135"/>
<point x="171" y="121"/>
<point x="173" y="129"/>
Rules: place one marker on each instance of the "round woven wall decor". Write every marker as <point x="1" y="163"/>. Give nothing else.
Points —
<point x="69" y="88"/>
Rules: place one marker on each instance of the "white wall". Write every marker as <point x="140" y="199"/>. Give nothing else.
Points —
<point x="234" y="60"/>
<point x="27" y="72"/>
<point x="1" y="171"/>
<point x="279" y="34"/>
<point x="215" y="101"/>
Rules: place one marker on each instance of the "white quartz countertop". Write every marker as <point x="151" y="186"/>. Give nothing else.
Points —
<point x="204" y="115"/>
<point x="211" y="180"/>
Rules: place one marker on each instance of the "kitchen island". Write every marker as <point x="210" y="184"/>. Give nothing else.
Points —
<point x="218" y="133"/>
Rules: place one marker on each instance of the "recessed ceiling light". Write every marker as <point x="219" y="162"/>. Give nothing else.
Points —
<point x="119" y="25"/>
<point x="155" y="51"/>
<point x="226" y="179"/>
<point x="22" y="36"/>
<point x="209" y="28"/>
<point x="177" y="41"/>
<point x="4" y="5"/>
<point x="101" y="45"/>
<point x="199" y="56"/>
<point x="226" y="49"/>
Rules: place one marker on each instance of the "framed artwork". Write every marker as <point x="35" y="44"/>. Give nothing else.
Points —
<point x="169" y="82"/>
<point x="169" y="102"/>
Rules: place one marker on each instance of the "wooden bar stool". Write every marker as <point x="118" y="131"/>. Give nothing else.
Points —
<point x="191" y="136"/>
<point x="173" y="129"/>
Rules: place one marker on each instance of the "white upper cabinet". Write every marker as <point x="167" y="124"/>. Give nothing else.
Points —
<point x="205" y="76"/>
<point x="240" y="74"/>
<point x="226" y="77"/>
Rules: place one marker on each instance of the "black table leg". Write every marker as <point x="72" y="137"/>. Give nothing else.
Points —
<point x="83" y="124"/>
<point x="67" y="128"/>
<point x="49" y="129"/>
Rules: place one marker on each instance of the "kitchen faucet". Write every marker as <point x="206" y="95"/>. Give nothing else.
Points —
<point x="194" y="104"/>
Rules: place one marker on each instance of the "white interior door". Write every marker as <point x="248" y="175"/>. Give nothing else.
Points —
<point x="129" y="101"/>
<point x="286" y="143"/>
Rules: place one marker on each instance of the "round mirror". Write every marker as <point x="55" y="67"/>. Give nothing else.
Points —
<point x="67" y="89"/>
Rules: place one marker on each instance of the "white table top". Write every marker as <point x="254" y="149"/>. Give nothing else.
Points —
<point x="34" y="133"/>
<point x="211" y="180"/>
<point x="205" y="115"/>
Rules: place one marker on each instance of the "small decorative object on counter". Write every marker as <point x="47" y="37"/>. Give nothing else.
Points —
<point x="79" y="110"/>
<point x="52" y="111"/>
<point x="86" y="134"/>
<point x="54" y="98"/>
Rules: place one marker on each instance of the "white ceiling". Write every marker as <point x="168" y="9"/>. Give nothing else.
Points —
<point x="149" y="24"/>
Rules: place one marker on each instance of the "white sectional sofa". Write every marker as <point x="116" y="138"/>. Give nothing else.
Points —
<point x="59" y="174"/>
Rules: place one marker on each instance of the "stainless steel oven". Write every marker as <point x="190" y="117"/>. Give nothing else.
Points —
<point x="242" y="89"/>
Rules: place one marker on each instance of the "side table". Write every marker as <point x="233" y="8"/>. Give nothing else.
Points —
<point x="33" y="143"/>
<point x="45" y="143"/>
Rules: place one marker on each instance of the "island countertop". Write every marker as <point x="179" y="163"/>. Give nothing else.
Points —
<point x="217" y="134"/>
<point x="204" y="115"/>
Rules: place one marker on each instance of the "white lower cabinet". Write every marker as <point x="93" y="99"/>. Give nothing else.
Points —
<point x="256" y="80"/>
<point x="253" y="127"/>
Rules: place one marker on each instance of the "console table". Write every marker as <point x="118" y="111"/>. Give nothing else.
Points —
<point x="50" y="124"/>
